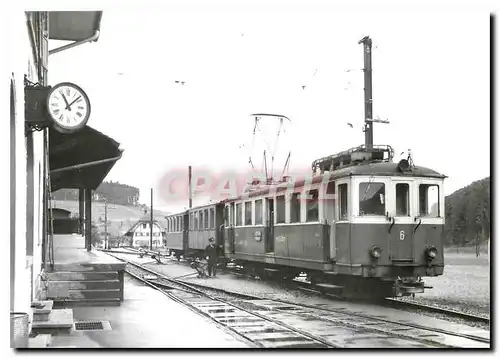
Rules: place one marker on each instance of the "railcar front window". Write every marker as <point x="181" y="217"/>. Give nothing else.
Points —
<point x="295" y="208"/>
<point x="258" y="212"/>
<point x="402" y="199"/>
<point x="248" y="213"/>
<point x="312" y="206"/>
<point x="280" y="209"/>
<point x="371" y="199"/>
<point x="428" y="195"/>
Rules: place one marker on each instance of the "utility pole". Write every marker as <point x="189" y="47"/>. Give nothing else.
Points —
<point x="367" y="48"/>
<point x="105" y="223"/>
<point x="190" y="188"/>
<point x="151" y="224"/>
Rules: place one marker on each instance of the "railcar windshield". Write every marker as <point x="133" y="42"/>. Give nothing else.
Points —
<point x="428" y="199"/>
<point x="402" y="199"/>
<point x="371" y="199"/>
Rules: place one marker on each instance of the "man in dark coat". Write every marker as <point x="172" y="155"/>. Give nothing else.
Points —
<point x="211" y="256"/>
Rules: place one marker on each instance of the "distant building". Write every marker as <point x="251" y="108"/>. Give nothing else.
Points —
<point x="140" y="233"/>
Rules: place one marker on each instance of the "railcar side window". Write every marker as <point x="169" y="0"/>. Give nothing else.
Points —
<point x="248" y="213"/>
<point x="402" y="199"/>
<point x="233" y="213"/>
<point x="280" y="209"/>
<point x="181" y="221"/>
<point x="206" y="219"/>
<point x="258" y="212"/>
<point x="195" y="220"/>
<point x="428" y="198"/>
<point x="312" y="206"/>
<point x="343" y="215"/>
<point x="238" y="214"/>
<point x="371" y="199"/>
<point x="295" y="208"/>
<point x="226" y="216"/>
<point x="212" y="218"/>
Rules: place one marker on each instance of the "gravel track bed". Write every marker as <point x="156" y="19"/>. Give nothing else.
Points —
<point x="464" y="287"/>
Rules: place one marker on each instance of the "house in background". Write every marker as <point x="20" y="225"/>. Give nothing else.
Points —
<point x="141" y="230"/>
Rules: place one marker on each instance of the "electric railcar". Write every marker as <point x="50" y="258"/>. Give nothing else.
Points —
<point x="363" y="225"/>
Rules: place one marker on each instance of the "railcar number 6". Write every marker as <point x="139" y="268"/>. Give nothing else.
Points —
<point x="402" y="235"/>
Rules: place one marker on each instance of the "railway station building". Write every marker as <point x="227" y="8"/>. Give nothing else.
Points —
<point x="44" y="159"/>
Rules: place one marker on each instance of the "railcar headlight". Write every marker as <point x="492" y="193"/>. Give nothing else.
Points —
<point x="376" y="252"/>
<point x="431" y="252"/>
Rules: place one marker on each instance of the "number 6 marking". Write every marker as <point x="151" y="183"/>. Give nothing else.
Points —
<point x="402" y="235"/>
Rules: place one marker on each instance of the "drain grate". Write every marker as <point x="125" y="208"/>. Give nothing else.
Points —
<point x="92" y="326"/>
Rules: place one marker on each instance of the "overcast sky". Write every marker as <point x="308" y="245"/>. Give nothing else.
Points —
<point x="430" y="80"/>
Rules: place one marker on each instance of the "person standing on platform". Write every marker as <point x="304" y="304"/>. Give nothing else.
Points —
<point x="211" y="256"/>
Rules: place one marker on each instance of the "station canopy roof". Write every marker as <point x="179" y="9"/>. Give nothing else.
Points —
<point x="81" y="159"/>
<point x="73" y="25"/>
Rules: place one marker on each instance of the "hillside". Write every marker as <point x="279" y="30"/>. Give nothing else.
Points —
<point x="113" y="192"/>
<point x="120" y="217"/>
<point x="468" y="214"/>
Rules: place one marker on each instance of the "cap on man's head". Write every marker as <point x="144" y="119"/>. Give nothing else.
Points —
<point x="211" y="239"/>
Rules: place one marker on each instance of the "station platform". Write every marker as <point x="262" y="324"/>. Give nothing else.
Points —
<point x="70" y="251"/>
<point x="146" y="319"/>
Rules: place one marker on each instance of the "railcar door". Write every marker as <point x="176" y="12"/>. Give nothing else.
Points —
<point x="185" y="231"/>
<point x="229" y="230"/>
<point x="270" y="226"/>
<point x="400" y="226"/>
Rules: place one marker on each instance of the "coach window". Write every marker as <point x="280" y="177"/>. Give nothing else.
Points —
<point x="295" y="208"/>
<point x="402" y="199"/>
<point x="195" y="227"/>
<point x="206" y="219"/>
<point x="202" y="220"/>
<point x="226" y="216"/>
<point x="258" y="212"/>
<point x="428" y="199"/>
<point x="238" y="214"/>
<point x="343" y="214"/>
<point x="212" y="218"/>
<point x="181" y="221"/>
<point x="312" y="206"/>
<point x="248" y="213"/>
<point x="280" y="209"/>
<point x="233" y="214"/>
<point x="371" y="199"/>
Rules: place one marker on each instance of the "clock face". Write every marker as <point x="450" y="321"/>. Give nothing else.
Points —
<point x="68" y="106"/>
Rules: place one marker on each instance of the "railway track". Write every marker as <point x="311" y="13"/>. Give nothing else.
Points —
<point x="388" y="302"/>
<point x="273" y="323"/>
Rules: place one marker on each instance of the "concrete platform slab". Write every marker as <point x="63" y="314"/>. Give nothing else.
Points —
<point x="147" y="319"/>
<point x="70" y="252"/>
<point x="62" y="318"/>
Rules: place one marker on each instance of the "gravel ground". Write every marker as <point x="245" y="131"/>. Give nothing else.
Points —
<point x="464" y="286"/>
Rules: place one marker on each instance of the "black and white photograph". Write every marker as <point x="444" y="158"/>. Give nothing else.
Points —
<point x="249" y="176"/>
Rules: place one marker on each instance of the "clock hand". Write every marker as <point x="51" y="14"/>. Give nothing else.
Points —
<point x="74" y="101"/>
<point x="66" y="101"/>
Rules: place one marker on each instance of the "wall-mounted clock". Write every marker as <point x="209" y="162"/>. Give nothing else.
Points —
<point x="68" y="107"/>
